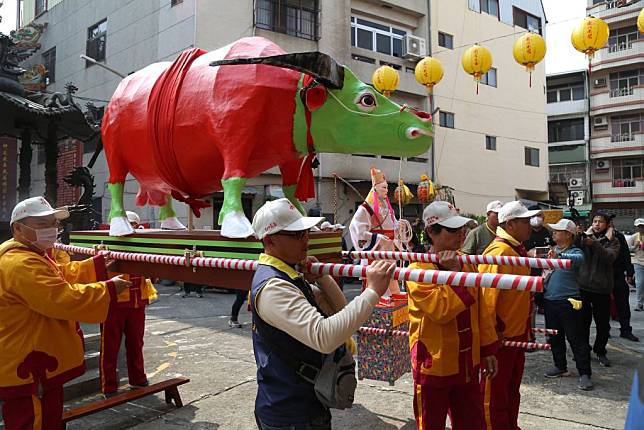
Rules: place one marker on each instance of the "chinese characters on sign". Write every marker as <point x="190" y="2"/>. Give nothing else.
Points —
<point x="8" y="177"/>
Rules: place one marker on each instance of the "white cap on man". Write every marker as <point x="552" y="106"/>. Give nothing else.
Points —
<point x="494" y="206"/>
<point x="564" y="225"/>
<point x="281" y="214"/>
<point x="36" y="206"/>
<point x="445" y="214"/>
<point x="639" y="222"/>
<point x="515" y="209"/>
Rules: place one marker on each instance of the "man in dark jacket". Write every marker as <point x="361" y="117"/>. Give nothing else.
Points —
<point x="623" y="269"/>
<point x="601" y="248"/>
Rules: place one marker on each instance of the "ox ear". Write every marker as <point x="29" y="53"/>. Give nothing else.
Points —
<point x="313" y="94"/>
<point x="321" y="66"/>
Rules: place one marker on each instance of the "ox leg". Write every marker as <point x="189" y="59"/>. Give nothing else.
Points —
<point x="289" y="193"/>
<point x="168" y="217"/>
<point x="119" y="225"/>
<point x="231" y="217"/>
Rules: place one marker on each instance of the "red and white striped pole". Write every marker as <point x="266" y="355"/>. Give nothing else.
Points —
<point x="538" y="263"/>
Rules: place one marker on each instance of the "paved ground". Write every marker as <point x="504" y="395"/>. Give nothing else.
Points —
<point x="191" y="337"/>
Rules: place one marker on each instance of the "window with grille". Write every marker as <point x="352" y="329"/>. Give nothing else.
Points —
<point x="446" y="119"/>
<point x="490" y="143"/>
<point x="624" y="128"/>
<point x="376" y="37"/>
<point x="566" y="130"/>
<point x="96" y="41"/>
<point x="623" y="82"/>
<point x="299" y="18"/>
<point x="628" y="169"/>
<point x="621" y="39"/>
<point x="531" y="156"/>
<point x="445" y="40"/>
<point x="526" y="20"/>
<point x="489" y="78"/>
<point x="49" y="61"/>
<point x="565" y="93"/>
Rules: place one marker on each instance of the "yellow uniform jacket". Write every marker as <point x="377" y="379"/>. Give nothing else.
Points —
<point x="41" y="344"/>
<point x="449" y="331"/>
<point x="510" y="308"/>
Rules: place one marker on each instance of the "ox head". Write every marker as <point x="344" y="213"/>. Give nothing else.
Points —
<point x="350" y="116"/>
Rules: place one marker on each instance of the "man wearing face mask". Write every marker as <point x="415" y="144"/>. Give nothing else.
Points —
<point x="480" y="237"/>
<point x="41" y="343"/>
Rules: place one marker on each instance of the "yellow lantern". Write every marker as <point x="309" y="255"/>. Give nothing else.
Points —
<point x="477" y="61"/>
<point x="385" y="79"/>
<point x="429" y="72"/>
<point x="529" y="50"/>
<point x="590" y="35"/>
<point x="640" y="21"/>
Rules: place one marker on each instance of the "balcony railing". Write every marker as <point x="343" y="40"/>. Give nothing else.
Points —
<point x="622" y="137"/>
<point x="621" y="92"/>
<point x="623" y="183"/>
<point x="617" y="47"/>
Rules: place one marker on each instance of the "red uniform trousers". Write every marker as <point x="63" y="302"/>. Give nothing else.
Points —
<point x="501" y="397"/>
<point x="463" y="403"/>
<point x="33" y="412"/>
<point x="131" y="322"/>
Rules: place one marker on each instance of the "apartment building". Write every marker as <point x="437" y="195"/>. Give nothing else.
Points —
<point x="487" y="146"/>
<point x="617" y="113"/>
<point x="568" y="133"/>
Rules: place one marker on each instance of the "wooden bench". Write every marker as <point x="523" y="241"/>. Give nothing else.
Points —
<point x="169" y="386"/>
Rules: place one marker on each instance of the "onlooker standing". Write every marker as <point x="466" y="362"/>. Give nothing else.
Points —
<point x="638" y="248"/>
<point x="189" y="287"/>
<point x="479" y="238"/>
<point x="240" y="298"/>
<point x="539" y="237"/>
<point x="623" y="273"/>
<point x="595" y="279"/>
<point x="560" y="298"/>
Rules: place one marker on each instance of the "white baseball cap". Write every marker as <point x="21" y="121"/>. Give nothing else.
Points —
<point x="564" y="225"/>
<point x="445" y="214"/>
<point x="639" y="221"/>
<point x="36" y="206"/>
<point x="515" y="209"/>
<point x="133" y="217"/>
<point x="494" y="206"/>
<point x="278" y="215"/>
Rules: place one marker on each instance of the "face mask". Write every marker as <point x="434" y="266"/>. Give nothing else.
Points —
<point x="45" y="237"/>
<point x="535" y="221"/>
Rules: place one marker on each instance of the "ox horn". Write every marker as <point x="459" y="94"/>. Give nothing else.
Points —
<point x="321" y="66"/>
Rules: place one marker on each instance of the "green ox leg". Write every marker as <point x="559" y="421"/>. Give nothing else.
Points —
<point x="289" y="192"/>
<point x="167" y="211"/>
<point x="119" y="225"/>
<point x="231" y="217"/>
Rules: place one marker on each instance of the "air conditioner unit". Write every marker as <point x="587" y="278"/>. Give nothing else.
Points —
<point x="413" y="47"/>
<point x="579" y="201"/>
<point x="600" y="121"/>
<point x="576" y="182"/>
<point x="602" y="165"/>
<point x="578" y="194"/>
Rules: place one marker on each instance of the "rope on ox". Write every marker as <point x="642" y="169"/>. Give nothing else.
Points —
<point x="538" y="263"/>
<point x="401" y="333"/>
<point x="464" y="279"/>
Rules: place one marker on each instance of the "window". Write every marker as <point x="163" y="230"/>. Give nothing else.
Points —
<point x="489" y="78"/>
<point x="376" y="37"/>
<point x="299" y="18"/>
<point x="96" y="41"/>
<point x="564" y="93"/>
<point x="627" y="171"/>
<point x="490" y="143"/>
<point x="622" y="38"/>
<point x="526" y="20"/>
<point x="175" y="2"/>
<point x="49" y="61"/>
<point x="566" y="130"/>
<point x="490" y="6"/>
<point x="531" y="156"/>
<point x="446" y="119"/>
<point x="41" y="7"/>
<point x="622" y="83"/>
<point x="445" y="40"/>
<point x="624" y="128"/>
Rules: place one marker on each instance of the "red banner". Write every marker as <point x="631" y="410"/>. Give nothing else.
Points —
<point x="8" y="176"/>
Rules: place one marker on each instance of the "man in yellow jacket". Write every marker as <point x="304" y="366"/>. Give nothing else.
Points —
<point x="512" y="311"/>
<point x="41" y="343"/>
<point x="451" y="334"/>
<point x="126" y="318"/>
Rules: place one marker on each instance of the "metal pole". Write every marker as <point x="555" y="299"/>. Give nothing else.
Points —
<point x="105" y="66"/>
<point x="430" y="100"/>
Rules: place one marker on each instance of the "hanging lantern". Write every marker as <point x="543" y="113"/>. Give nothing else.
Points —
<point x="385" y="79"/>
<point x="402" y="193"/>
<point x="590" y="35"/>
<point x="529" y="50"/>
<point x="425" y="191"/>
<point x="640" y="21"/>
<point x="429" y="72"/>
<point x="477" y="61"/>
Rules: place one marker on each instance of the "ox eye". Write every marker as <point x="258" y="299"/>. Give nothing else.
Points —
<point x="367" y="102"/>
